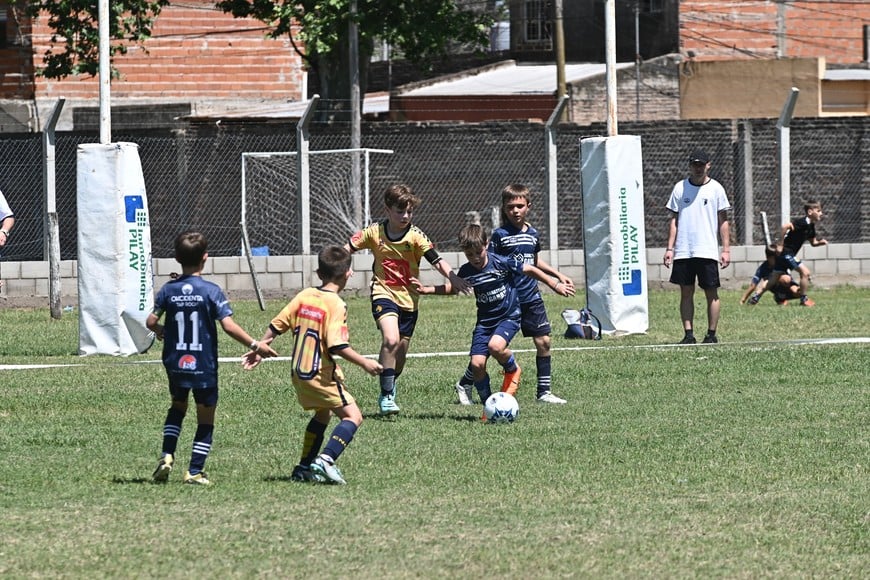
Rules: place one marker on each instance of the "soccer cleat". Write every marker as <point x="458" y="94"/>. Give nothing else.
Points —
<point x="304" y="474"/>
<point x="548" y="397"/>
<point x="807" y="302"/>
<point x="164" y="466"/>
<point x="327" y="471"/>
<point x="710" y="339"/>
<point x="464" y="392"/>
<point x="753" y="300"/>
<point x="511" y="382"/>
<point x="199" y="479"/>
<point x="688" y="340"/>
<point x="387" y="405"/>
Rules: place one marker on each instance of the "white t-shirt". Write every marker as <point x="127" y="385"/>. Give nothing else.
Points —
<point x="5" y="210"/>
<point x="698" y="208"/>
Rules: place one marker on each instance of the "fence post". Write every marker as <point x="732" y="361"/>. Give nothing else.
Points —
<point x="552" y="178"/>
<point x="303" y="138"/>
<point x="51" y="239"/>
<point x="748" y="192"/>
<point x="784" y="155"/>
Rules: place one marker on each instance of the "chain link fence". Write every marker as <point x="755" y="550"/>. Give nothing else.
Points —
<point x="193" y="176"/>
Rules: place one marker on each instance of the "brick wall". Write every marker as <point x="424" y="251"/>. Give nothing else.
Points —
<point x="196" y="53"/>
<point x="748" y="29"/>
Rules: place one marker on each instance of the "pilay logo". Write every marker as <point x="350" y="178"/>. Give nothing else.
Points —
<point x="628" y="272"/>
<point x="136" y="217"/>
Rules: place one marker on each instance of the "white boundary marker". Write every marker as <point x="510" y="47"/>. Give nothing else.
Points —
<point x="795" y="342"/>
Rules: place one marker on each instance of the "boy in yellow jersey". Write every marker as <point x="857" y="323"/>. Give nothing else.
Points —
<point x="398" y="247"/>
<point x="317" y="321"/>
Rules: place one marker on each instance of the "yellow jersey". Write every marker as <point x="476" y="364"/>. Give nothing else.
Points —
<point x="318" y="321"/>
<point x="395" y="261"/>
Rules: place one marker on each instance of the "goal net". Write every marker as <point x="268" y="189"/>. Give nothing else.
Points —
<point x="337" y="206"/>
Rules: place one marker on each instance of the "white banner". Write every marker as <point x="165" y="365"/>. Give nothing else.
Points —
<point x="614" y="239"/>
<point x="115" y="282"/>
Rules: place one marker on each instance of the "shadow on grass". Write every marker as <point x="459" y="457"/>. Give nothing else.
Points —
<point x="133" y="480"/>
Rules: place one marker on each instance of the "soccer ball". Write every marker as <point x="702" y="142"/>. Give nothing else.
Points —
<point x="501" y="408"/>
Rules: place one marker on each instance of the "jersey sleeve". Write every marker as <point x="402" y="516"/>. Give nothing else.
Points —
<point x="363" y="239"/>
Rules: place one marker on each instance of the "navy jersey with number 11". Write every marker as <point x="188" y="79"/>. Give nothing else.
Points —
<point x="190" y="343"/>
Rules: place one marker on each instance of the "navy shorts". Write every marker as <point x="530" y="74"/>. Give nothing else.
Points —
<point x="407" y="319"/>
<point x="685" y="271"/>
<point x="507" y="329"/>
<point x="793" y="263"/>
<point x="534" y="321"/>
<point x="201" y="396"/>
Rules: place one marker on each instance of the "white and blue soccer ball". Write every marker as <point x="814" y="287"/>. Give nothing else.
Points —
<point x="501" y="408"/>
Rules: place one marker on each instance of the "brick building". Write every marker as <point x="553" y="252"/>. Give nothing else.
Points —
<point x="198" y="59"/>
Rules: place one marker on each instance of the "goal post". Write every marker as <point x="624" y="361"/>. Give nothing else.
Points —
<point x="270" y="212"/>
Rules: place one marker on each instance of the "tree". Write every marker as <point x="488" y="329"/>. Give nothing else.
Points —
<point x="318" y="29"/>
<point x="75" y="38"/>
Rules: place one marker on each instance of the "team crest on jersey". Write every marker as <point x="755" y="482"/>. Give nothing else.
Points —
<point x="187" y="362"/>
<point x="187" y="289"/>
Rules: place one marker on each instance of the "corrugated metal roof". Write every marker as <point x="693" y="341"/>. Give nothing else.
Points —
<point x="508" y="79"/>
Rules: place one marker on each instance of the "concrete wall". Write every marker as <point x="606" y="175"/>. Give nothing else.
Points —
<point x="284" y="275"/>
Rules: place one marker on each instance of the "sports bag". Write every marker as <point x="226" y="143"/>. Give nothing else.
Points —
<point x="581" y="324"/>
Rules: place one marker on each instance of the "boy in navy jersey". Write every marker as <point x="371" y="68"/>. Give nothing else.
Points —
<point x="518" y="239"/>
<point x="794" y="234"/>
<point x="193" y="306"/>
<point x="494" y="279"/>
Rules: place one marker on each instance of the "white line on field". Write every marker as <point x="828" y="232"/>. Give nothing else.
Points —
<point x="594" y="346"/>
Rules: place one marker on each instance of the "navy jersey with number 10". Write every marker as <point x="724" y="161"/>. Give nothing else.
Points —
<point x="190" y="348"/>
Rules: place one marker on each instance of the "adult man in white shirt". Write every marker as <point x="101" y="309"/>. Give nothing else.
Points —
<point x="699" y="219"/>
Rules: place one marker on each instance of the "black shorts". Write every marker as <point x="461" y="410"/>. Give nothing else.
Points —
<point x="201" y="396"/>
<point x="685" y="271"/>
<point x="407" y="319"/>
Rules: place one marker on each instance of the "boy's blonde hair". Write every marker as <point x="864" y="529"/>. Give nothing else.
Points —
<point x="401" y="196"/>
<point x="190" y="248"/>
<point x="472" y="238"/>
<point x="333" y="262"/>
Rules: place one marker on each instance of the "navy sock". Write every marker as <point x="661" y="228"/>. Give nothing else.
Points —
<point x="542" y="363"/>
<point x="468" y="378"/>
<point x="172" y="429"/>
<point x="510" y="365"/>
<point x="483" y="389"/>
<point x="312" y="441"/>
<point x="201" y="448"/>
<point x="340" y="439"/>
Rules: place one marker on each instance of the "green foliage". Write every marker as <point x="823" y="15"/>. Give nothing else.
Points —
<point x="746" y="459"/>
<point x="75" y="38"/>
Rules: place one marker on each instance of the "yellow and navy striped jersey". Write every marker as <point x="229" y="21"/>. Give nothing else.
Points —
<point x="318" y="320"/>
<point x="395" y="261"/>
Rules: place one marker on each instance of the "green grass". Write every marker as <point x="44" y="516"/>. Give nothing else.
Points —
<point x="745" y="459"/>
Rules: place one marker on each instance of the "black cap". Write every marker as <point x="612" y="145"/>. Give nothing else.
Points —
<point x="699" y="156"/>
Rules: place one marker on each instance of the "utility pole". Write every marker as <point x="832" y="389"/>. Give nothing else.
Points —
<point x="637" y="61"/>
<point x="559" y="46"/>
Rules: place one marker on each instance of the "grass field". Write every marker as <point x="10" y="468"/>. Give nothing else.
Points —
<point x="746" y="459"/>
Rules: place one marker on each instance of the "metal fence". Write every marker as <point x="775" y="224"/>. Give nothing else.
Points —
<point x="193" y="176"/>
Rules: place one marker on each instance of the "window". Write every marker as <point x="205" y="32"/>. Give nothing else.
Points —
<point x="537" y="20"/>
